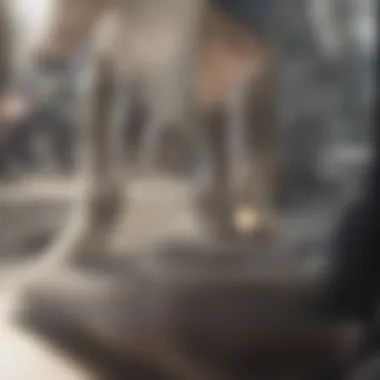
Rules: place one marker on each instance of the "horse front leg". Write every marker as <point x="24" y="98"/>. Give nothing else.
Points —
<point x="85" y="236"/>
<point x="262" y="155"/>
<point x="215" y="200"/>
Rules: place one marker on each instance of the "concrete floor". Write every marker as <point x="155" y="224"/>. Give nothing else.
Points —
<point x="160" y="210"/>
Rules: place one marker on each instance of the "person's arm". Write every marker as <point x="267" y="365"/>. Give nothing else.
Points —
<point x="5" y="44"/>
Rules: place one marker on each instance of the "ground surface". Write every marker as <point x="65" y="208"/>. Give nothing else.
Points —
<point x="38" y="207"/>
<point x="160" y="210"/>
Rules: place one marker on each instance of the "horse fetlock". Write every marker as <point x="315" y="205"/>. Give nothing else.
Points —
<point x="105" y="205"/>
<point x="248" y="219"/>
<point x="216" y="209"/>
<point x="254" y="222"/>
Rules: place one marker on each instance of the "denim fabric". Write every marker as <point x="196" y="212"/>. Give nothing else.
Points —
<point x="256" y="14"/>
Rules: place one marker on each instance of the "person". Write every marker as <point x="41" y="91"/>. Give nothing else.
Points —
<point x="353" y="286"/>
<point x="258" y="14"/>
<point x="22" y="122"/>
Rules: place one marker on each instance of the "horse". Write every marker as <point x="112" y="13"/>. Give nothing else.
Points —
<point x="195" y="64"/>
<point x="218" y="59"/>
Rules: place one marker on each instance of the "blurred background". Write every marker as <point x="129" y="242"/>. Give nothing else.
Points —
<point x="325" y="83"/>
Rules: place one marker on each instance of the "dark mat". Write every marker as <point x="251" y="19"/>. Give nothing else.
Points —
<point x="61" y="312"/>
<point x="83" y="313"/>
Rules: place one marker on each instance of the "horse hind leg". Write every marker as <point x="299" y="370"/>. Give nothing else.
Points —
<point x="232" y="215"/>
<point x="85" y="236"/>
<point x="262" y="157"/>
<point x="215" y="202"/>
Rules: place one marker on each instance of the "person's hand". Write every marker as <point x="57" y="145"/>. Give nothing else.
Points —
<point x="13" y="107"/>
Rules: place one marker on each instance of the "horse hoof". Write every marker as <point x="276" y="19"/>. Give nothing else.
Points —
<point x="247" y="219"/>
<point x="249" y="222"/>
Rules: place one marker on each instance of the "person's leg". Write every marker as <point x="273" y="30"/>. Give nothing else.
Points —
<point x="353" y="287"/>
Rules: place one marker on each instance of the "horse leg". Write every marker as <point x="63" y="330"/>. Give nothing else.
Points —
<point x="215" y="201"/>
<point x="86" y="233"/>
<point x="262" y="148"/>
